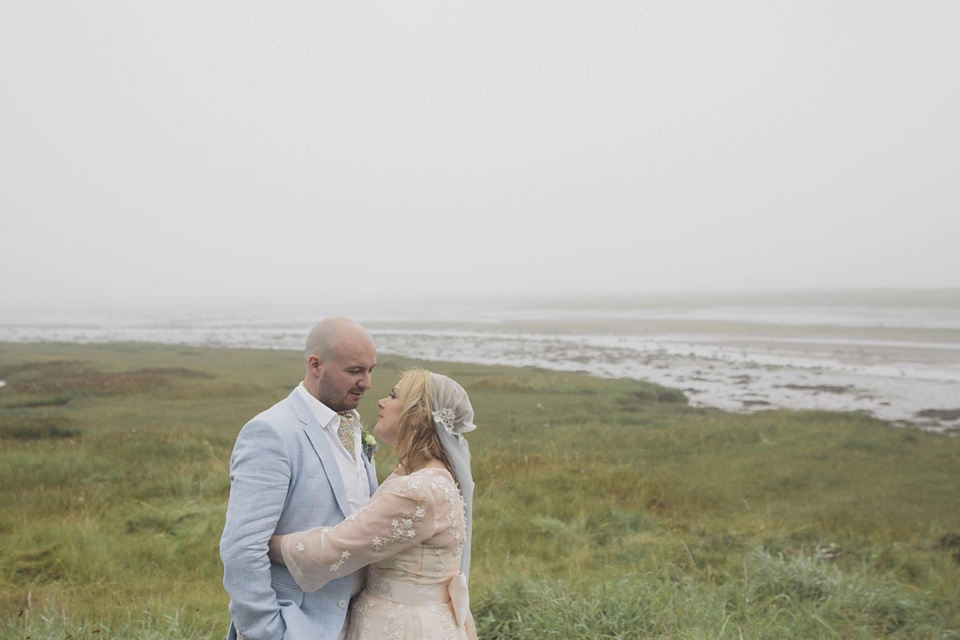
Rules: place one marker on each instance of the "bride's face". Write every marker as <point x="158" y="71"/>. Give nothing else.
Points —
<point x="388" y="420"/>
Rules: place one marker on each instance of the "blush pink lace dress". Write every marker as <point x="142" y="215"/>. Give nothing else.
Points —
<point x="411" y="537"/>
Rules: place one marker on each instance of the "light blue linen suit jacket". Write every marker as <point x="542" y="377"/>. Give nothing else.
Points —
<point x="283" y="478"/>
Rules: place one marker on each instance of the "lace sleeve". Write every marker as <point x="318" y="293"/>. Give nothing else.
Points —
<point x="396" y="519"/>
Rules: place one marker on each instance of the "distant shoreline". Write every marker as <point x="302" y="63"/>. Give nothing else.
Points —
<point x="756" y="386"/>
<point x="889" y="358"/>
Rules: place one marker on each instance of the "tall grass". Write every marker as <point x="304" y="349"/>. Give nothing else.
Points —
<point x="604" y="509"/>
<point x="774" y="598"/>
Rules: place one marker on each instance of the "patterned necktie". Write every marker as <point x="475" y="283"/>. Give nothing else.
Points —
<point x="345" y="431"/>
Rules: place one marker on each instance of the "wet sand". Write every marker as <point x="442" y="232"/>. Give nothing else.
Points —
<point x="910" y="378"/>
<point x="898" y="363"/>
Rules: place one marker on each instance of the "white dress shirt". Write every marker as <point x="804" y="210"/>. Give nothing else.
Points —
<point x="352" y="470"/>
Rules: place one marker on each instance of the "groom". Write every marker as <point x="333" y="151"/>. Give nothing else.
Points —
<point x="298" y="465"/>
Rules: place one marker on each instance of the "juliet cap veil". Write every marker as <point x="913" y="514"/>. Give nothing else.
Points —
<point x="452" y="417"/>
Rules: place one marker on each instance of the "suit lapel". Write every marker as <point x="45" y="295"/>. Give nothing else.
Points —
<point x="314" y="432"/>
<point x="371" y="475"/>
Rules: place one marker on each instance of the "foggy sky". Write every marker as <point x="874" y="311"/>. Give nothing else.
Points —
<point x="151" y="150"/>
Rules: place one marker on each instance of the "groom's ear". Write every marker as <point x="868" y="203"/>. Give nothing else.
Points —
<point x="314" y="363"/>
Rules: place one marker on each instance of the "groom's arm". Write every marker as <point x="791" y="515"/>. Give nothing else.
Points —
<point x="259" y="479"/>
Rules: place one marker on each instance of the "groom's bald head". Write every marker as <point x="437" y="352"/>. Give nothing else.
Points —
<point x="340" y="356"/>
<point x="327" y="335"/>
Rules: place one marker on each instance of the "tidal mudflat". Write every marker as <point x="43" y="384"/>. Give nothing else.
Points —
<point x="905" y="375"/>
<point x="893" y="355"/>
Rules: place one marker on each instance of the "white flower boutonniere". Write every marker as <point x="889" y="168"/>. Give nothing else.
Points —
<point x="369" y="444"/>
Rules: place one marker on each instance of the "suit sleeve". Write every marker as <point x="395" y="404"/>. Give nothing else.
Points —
<point x="260" y="472"/>
<point x="392" y="522"/>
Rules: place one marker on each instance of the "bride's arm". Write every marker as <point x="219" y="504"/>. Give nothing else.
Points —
<point x="395" y="521"/>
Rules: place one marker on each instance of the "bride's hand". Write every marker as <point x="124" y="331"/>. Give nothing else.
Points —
<point x="274" y="554"/>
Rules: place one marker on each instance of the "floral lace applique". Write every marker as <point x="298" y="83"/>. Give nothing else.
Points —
<point x="456" y="519"/>
<point x="394" y="627"/>
<point x="402" y="527"/>
<point x="446" y="417"/>
<point x="399" y="565"/>
<point x="364" y="605"/>
<point x="357" y="614"/>
<point x="336" y="566"/>
<point x="447" y="629"/>
<point x="378" y="586"/>
<point x="412" y="482"/>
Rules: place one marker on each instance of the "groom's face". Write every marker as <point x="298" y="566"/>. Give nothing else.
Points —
<point x="345" y="377"/>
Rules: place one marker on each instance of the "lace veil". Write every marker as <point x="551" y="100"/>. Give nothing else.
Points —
<point x="452" y="417"/>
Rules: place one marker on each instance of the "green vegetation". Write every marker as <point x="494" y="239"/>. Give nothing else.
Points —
<point x="605" y="508"/>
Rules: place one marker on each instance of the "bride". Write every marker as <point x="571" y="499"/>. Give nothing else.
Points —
<point x="414" y="535"/>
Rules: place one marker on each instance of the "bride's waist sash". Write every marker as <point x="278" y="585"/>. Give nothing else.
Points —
<point x="453" y="591"/>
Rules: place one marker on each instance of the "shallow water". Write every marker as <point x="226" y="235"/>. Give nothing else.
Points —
<point x="893" y="362"/>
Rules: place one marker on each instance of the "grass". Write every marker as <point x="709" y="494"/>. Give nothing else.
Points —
<point x="604" y="509"/>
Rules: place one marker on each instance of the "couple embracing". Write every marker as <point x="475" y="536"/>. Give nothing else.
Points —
<point x="312" y="549"/>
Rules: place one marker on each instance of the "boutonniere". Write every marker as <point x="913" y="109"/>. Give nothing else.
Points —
<point x="369" y="443"/>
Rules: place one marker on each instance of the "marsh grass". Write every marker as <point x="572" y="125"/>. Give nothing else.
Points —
<point x="774" y="598"/>
<point x="604" y="509"/>
<point x="35" y="428"/>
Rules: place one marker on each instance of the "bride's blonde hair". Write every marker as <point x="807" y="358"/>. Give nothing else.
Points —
<point x="417" y="438"/>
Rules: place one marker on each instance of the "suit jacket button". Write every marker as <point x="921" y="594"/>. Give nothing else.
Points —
<point x="342" y="604"/>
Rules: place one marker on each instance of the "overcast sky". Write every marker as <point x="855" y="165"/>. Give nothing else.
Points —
<point x="152" y="150"/>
